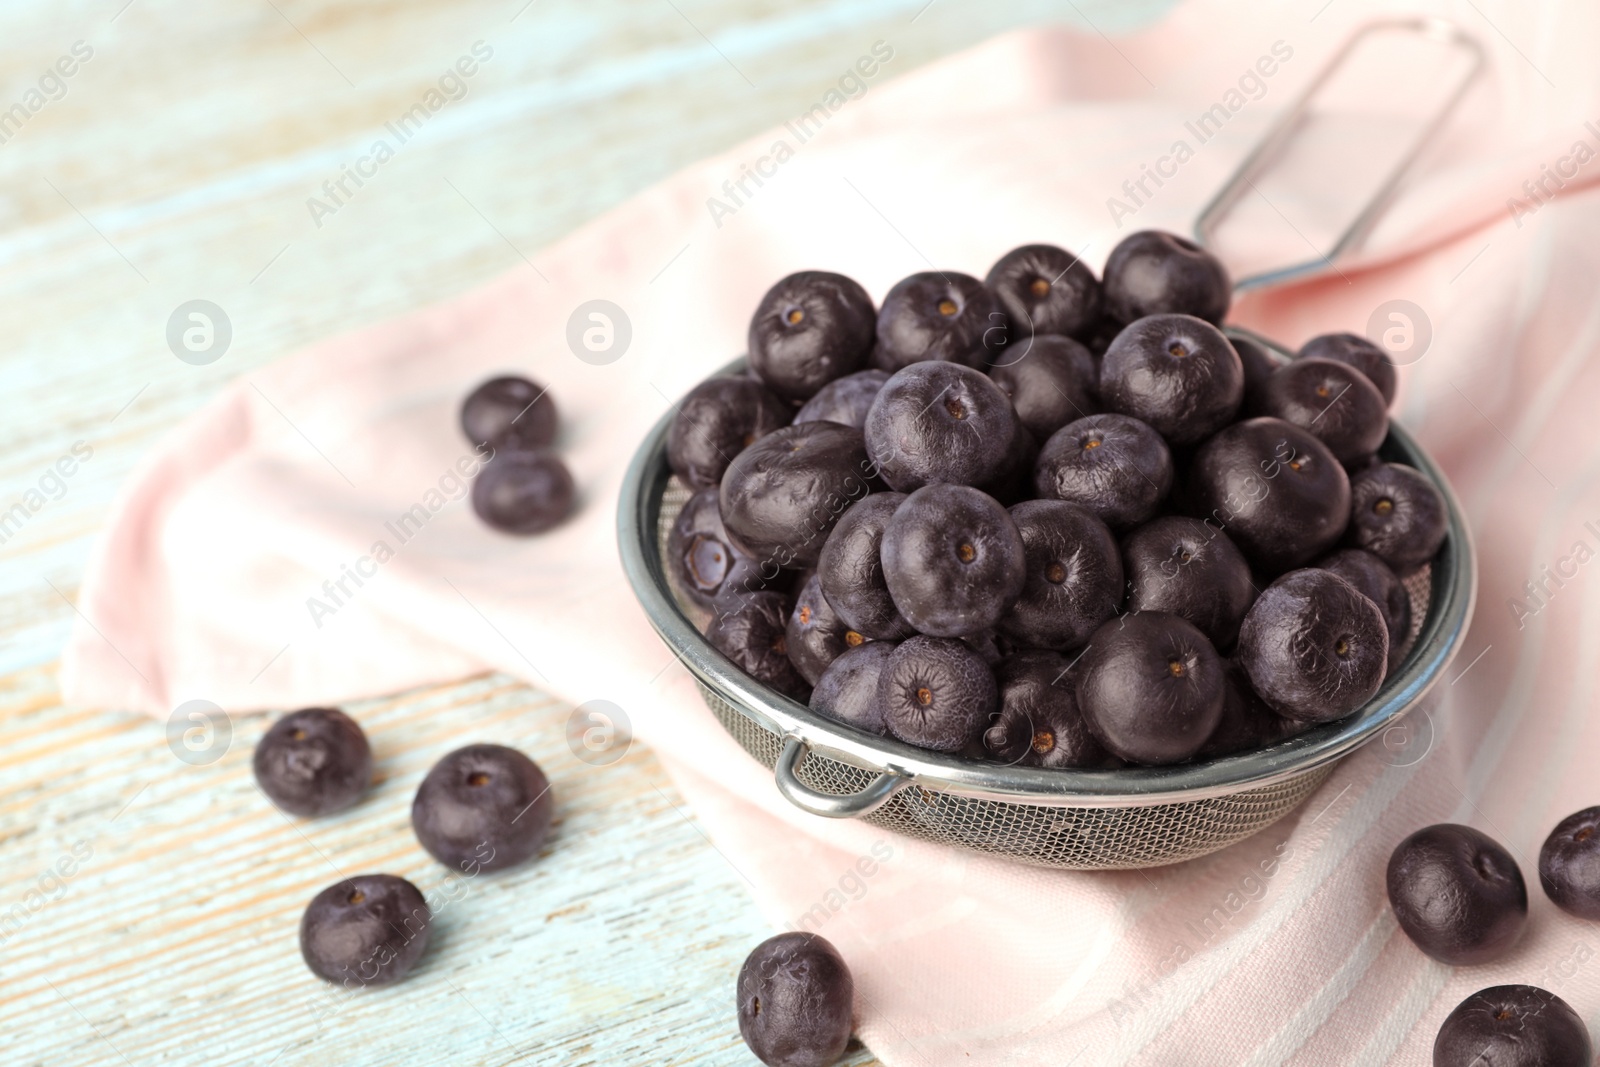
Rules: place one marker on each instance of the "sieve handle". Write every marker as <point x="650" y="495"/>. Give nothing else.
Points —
<point x="802" y="796"/>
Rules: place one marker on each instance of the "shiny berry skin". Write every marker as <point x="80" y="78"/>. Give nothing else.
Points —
<point x="1151" y="688"/>
<point x="1259" y="363"/>
<point x="1315" y="649"/>
<point x="936" y="693"/>
<point x="781" y="496"/>
<point x="1512" y="1026"/>
<point x="939" y="315"/>
<point x="940" y="422"/>
<point x="752" y="630"/>
<point x="717" y="420"/>
<point x="1276" y="490"/>
<point x="848" y="689"/>
<point x="1045" y="290"/>
<point x="845" y="400"/>
<point x="1191" y="569"/>
<point x="1155" y="273"/>
<point x="1398" y="515"/>
<point x="953" y="560"/>
<point x="369" y="930"/>
<point x="1360" y="353"/>
<point x="1332" y="401"/>
<point x="313" y="762"/>
<point x="1374" y="580"/>
<point x="794" y="1000"/>
<point x="1569" y="864"/>
<point x="523" y="493"/>
<point x="1074" y="575"/>
<point x="1177" y="373"/>
<point x="510" y="412"/>
<point x="703" y="559"/>
<point x="810" y="329"/>
<point x="1050" y="381"/>
<point x="850" y="569"/>
<point x="1039" y="723"/>
<point x="483" y="808"/>
<point x="1116" y="466"/>
<point x="1457" y="894"/>
<point x="816" y="636"/>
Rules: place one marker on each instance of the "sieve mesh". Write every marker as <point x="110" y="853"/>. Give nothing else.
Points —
<point x="1072" y="838"/>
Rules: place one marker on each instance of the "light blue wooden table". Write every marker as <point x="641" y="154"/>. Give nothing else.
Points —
<point x="159" y="152"/>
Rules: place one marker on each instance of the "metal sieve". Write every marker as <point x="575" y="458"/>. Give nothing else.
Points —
<point x="1078" y="820"/>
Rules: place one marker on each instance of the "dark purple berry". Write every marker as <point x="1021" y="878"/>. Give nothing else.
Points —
<point x="483" y="808"/>
<point x="795" y="995"/>
<point x="1247" y="722"/>
<point x="1045" y="290"/>
<point x="816" y="636"/>
<point x="851" y="570"/>
<point x="1116" y="466"/>
<point x="509" y="412"/>
<point x="1398" y="515"/>
<point x="1155" y="273"/>
<point x="1074" y="575"/>
<point x="752" y="630"/>
<point x="703" y="559"/>
<point x="1374" y="580"/>
<point x="1314" y="648"/>
<point x="953" y="560"/>
<point x="1189" y="568"/>
<point x="1332" y="401"/>
<point x="810" y="329"/>
<point x="939" y="315"/>
<point x="369" y="930"/>
<point x="940" y="422"/>
<point x="845" y="400"/>
<point x="1177" y="373"/>
<point x="1512" y="1026"/>
<point x="1039" y="724"/>
<point x="720" y="418"/>
<point x="936" y="693"/>
<point x="848" y="689"/>
<point x="1050" y="381"/>
<point x="1569" y="864"/>
<point x="1360" y="353"/>
<point x="1458" y="894"/>
<point x="1259" y="363"/>
<point x="783" y="494"/>
<point x="1151" y="688"/>
<point x="523" y="492"/>
<point x="313" y="762"/>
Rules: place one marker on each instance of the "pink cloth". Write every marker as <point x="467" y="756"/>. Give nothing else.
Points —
<point x="200" y="587"/>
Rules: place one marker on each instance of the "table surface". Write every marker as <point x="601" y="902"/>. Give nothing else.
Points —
<point x="150" y="907"/>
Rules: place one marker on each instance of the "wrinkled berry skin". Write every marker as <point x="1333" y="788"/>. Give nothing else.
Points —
<point x="1050" y="381"/>
<point x="953" y="560"/>
<point x="781" y="496"/>
<point x="1333" y="402"/>
<point x="1360" y="353"/>
<point x="1045" y="290"/>
<point x="703" y="558"/>
<point x="816" y="636"/>
<point x="1398" y="515"/>
<point x="483" y="808"/>
<point x="1116" y="466"/>
<point x="752" y="630"/>
<point x="1314" y="648"/>
<point x="848" y="689"/>
<point x="369" y="930"/>
<point x="1569" y="864"/>
<point x="717" y="420"/>
<point x="810" y="329"/>
<point x="1374" y="580"/>
<point x="523" y="493"/>
<point x="1457" y="894"/>
<point x="1074" y="575"/>
<point x="1155" y="273"/>
<point x="1247" y="722"/>
<point x="936" y="693"/>
<point x="1512" y="1026"/>
<point x="1276" y="490"/>
<point x="850" y="569"/>
<point x="940" y="422"/>
<point x="1151" y="687"/>
<point x="509" y="412"/>
<point x="1177" y="373"/>
<point x="794" y="1001"/>
<point x="313" y="762"/>
<point x="939" y="315"/>
<point x="1188" y="568"/>
<point x="845" y="400"/>
<point x="1039" y="724"/>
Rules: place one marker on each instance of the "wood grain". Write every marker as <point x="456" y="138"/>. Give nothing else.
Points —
<point x="176" y="163"/>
